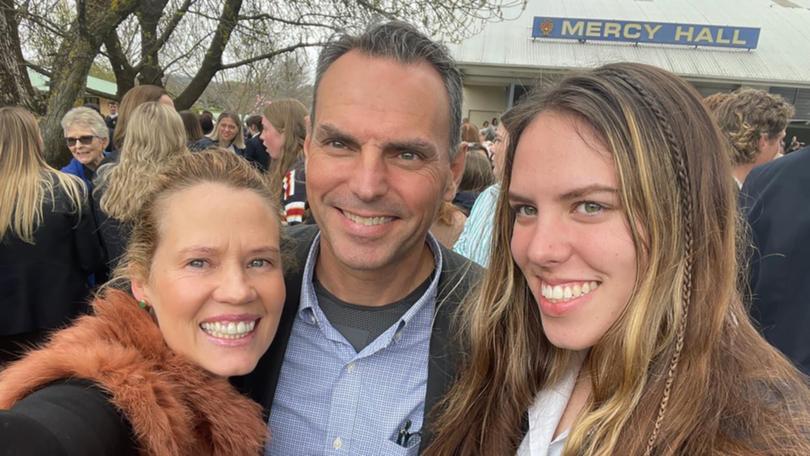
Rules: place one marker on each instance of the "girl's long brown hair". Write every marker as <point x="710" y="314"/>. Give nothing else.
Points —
<point x="682" y="371"/>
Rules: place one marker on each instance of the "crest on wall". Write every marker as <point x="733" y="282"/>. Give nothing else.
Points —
<point x="546" y="27"/>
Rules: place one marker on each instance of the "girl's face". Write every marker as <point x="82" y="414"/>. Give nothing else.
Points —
<point x="227" y="130"/>
<point x="272" y="139"/>
<point x="570" y="238"/>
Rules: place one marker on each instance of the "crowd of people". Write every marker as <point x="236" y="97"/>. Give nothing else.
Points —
<point x="378" y="276"/>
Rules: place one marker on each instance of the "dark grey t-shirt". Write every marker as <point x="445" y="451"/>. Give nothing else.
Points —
<point x="361" y="325"/>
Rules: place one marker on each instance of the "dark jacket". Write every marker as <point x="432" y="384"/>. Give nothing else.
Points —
<point x="109" y="385"/>
<point x="44" y="285"/>
<point x="114" y="235"/>
<point x="776" y="203"/>
<point x="458" y="276"/>
<point x="201" y="144"/>
<point x="256" y="153"/>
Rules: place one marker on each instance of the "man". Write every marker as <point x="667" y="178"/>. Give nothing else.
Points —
<point x="255" y="152"/>
<point x="775" y="202"/>
<point x="365" y="344"/>
<point x="754" y="122"/>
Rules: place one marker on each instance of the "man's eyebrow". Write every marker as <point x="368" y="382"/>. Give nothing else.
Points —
<point x="587" y="190"/>
<point x="330" y="131"/>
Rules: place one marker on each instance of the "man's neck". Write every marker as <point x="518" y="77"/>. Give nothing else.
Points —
<point x="741" y="172"/>
<point x="373" y="288"/>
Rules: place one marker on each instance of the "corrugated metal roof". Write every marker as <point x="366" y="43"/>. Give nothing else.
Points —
<point x="782" y="56"/>
<point x="41" y="82"/>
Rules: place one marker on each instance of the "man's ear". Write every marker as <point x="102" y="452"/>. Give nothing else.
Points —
<point x="456" y="172"/>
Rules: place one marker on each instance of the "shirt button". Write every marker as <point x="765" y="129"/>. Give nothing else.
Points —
<point x="350" y="367"/>
<point x="338" y="443"/>
<point x="397" y="336"/>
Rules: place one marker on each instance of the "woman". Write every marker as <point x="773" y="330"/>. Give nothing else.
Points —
<point x="616" y="323"/>
<point x="228" y="133"/>
<point x="147" y="373"/>
<point x="87" y="136"/>
<point x="47" y="242"/>
<point x="131" y="100"/>
<point x="283" y="132"/>
<point x="155" y="135"/>
<point x="195" y="140"/>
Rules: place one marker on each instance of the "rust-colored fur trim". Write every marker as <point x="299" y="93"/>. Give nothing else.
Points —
<point x="175" y="407"/>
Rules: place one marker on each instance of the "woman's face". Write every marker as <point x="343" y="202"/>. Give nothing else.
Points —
<point x="272" y="139"/>
<point x="570" y="238"/>
<point x="90" y="154"/>
<point x="227" y="130"/>
<point x="216" y="281"/>
<point x="498" y="150"/>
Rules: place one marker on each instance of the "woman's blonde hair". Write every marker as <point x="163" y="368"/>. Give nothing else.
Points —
<point x="682" y="370"/>
<point x="154" y="136"/>
<point x="288" y="117"/>
<point x="185" y="171"/>
<point x="26" y="180"/>
<point x="134" y="97"/>
<point x="239" y="139"/>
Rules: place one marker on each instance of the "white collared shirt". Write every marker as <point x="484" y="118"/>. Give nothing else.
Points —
<point x="546" y="412"/>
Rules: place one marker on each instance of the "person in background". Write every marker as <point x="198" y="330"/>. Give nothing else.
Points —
<point x="713" y="101"/>
<point x="195" y="140"/>
<point x="283" y="132"/>
<point x="207" y="122"/>
<point x="48" y="244"/>
<point x="255" y="151"/>
<point x="112" y="119"/>
<point x="146" y="373"/>
<point x="131" y="100"/>
<point x="474" y="241"/>
<point x="155" y="136"/>
<point x="477" y="177"/>
<point x="86" y="135"/>
<point x="754" y="122"/>
<point x="616" y="326"/>
<point x="227" y="133"/>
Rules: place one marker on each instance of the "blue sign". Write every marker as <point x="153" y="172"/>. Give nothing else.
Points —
<point x="645" y="32"/>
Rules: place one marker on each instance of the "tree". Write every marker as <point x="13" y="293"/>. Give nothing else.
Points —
<point x="14" y="79"/>
<point x="145" y="41"/>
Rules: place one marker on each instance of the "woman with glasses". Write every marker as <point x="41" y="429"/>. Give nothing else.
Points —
<point x="87" y="136"/>
<point x="48" y="246"/>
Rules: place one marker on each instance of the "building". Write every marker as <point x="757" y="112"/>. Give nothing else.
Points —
<point x="96" y="90"/>
<point x="717" y="45"/>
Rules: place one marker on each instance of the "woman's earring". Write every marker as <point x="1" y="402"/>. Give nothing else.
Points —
<point x="143" y="305"/>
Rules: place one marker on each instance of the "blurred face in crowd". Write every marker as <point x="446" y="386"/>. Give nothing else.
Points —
<point x="227" y="130"/>
<point x="498" y="150"/>
<point x="377" y="161"/>
<point x="113" y="108"/>
<point x="216" y="286"/>
<point x="273" y="140"/>
<point x="89" y="149"/>
<point x="570" y="237"/>
<point x="769" y="147"/>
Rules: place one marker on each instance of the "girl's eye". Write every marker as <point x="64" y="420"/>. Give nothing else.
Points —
<point x="525" y="211"/>
<point x="589" y="208"/>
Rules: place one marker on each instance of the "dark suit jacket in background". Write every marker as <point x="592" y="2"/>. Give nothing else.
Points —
<point x="776" y="202"/>
<point x="256" y="153"/>
<point x="458" y="276"/>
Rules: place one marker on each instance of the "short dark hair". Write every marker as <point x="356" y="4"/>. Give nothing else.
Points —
<point x="206" y="122"/>
<point x="402" y="42"/>
<point x="254" y="121"/>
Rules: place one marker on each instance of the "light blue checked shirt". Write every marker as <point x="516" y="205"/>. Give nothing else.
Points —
<point x="331" y="400"/>
<point x="474" y="241"/>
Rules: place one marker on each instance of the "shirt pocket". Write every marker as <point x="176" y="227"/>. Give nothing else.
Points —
<point x="389" y="448"/>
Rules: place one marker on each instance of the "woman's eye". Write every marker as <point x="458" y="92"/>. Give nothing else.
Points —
<point x="525" y="211"/>
<point x="258" y="263"/>
<point x="196" y="263"/>
<point x="589" y="208"/>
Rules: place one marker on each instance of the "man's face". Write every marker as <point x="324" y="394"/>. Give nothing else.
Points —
<point x="113" y="108"/>
<point x="377" y="161"/>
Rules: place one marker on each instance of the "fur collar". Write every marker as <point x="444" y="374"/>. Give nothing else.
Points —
<point x="173" y="406"/>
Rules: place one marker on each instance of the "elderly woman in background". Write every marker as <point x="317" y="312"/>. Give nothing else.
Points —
<point x="147" y="373"/>
<point x="283" y="132"/>
<point x="48" y="245"/>
<point x="87" y="136"/>
<point x="228" y="133"/>
<point x="155" y="135"/>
